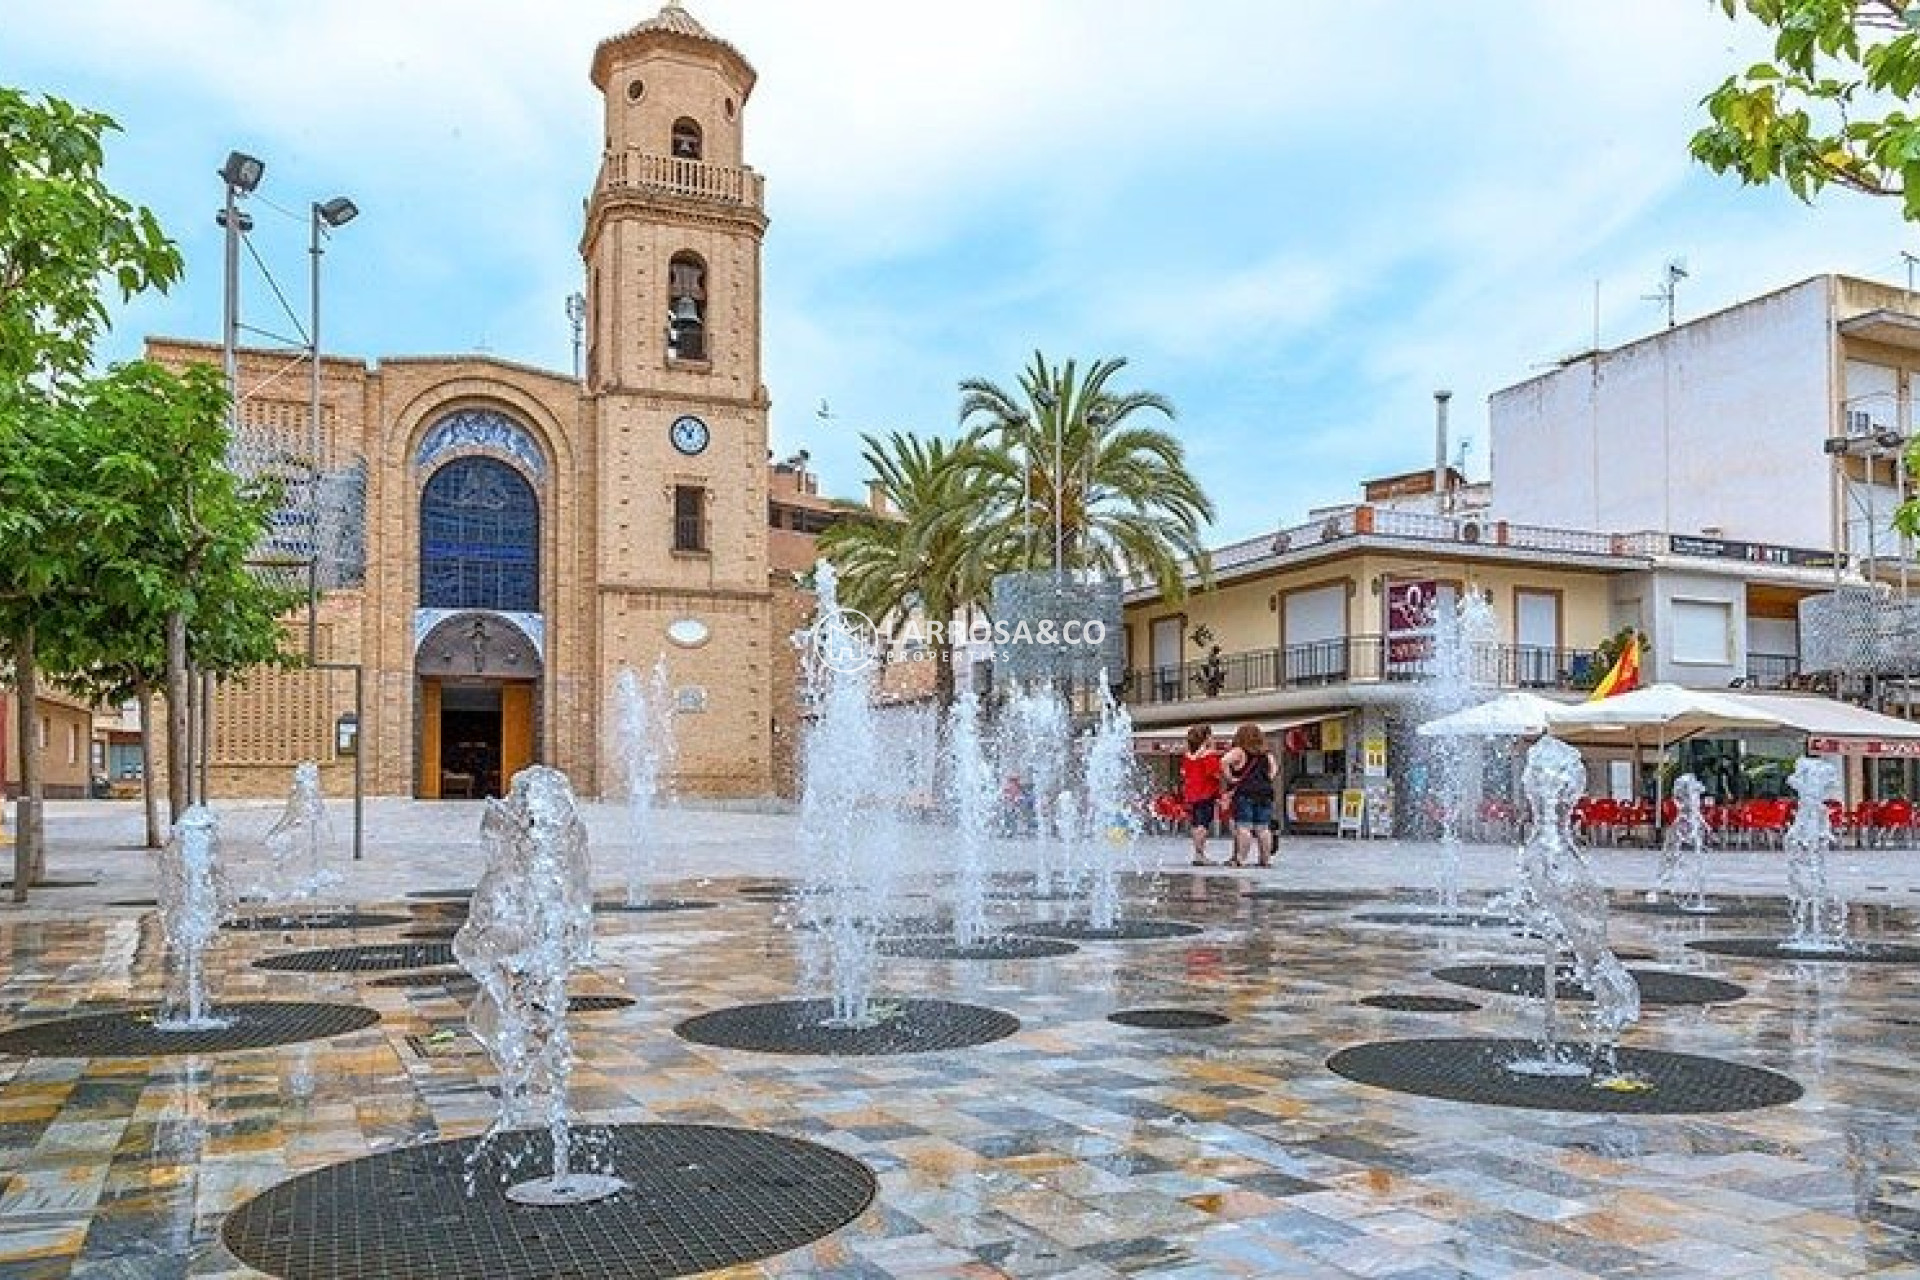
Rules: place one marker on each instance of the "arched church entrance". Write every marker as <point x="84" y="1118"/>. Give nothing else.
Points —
<point x="479" y="705"/>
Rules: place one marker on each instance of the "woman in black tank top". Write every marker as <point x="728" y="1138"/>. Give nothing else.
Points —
<point x="1250" y="771"/>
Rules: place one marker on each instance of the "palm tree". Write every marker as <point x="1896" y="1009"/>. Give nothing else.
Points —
<point x="1073" y="478"/>
<point x="911" y="560"/>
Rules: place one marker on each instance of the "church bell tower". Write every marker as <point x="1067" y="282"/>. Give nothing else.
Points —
<point x="674" y="393"/>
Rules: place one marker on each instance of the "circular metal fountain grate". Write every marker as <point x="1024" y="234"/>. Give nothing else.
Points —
<point x="433" y="895"/>
<point x="387" y="955"/>
<point x="653" y="905"/>
<point x="765" y="891"/>
<point x="1777" y="949"/>
<point x="1656" y="986"/>
<point x="799" y="1026"/>
<point x="1723" y="908"/>
<point x="701" y="1198"/>
<point x="990" y="949"/>
<point x="135" y="902"/>
<point x="598" y="1004"/>
<point x="1122" y="931"/>
<point x="1325" y="898"/>
<point x="315" y="920"/>
<point x="1474" y="1070"/>
<point x="431" y="932"/>
<point x="53" y="884"/>
<point x="1437" y="919"/>
<point x="425" y="978"/>
<point x="1407" y="1002"/>
<point x="1169" y="1019"/>
<point x="130" y="1033"/>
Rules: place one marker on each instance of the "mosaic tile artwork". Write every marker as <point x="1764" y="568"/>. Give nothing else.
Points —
<point x="1072" y="1148"/>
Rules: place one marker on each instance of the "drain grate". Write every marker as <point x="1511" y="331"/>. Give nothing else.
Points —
<point x="701" y="1198"/>
<point x="388" y="955"/>
<point x="799" y="1026"/>
<point x="130" y="1033"/>
<point x="53" y="884"/>
<point x="314" y="920"/>
<point x="135" y="902"/>
<point x="431" y="895"/>
<point x="1656" y="986"/>
<point x="990" y="949"/>
<point x="1437" y="919"/>
<point x="426" y="978"/>
<point x="1122" y="931"/>
<point x="1407" y="1002"/>
<point x="656" y="904"/>
<point x="1474" y="1070"/>
<point x="1723" y="908"/>
<point x="1777" y="949"/>
<point x="431" y="932"/>
<point x="1169" y="1019"/>
<point x="598" y="1004"/>
<point x="1326" y="898"/>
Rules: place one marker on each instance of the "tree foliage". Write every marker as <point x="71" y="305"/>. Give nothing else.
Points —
<point x="1829" y="107"/>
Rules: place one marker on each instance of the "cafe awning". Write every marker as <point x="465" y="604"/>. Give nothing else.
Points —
<point x="1171" y="742"/>
<point x="1837" y="727"/>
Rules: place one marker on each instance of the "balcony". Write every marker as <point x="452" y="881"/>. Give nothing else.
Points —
<point x="1773" y="671"/>
<point x="671" y="175"/>
<point x="1370" y="659"/>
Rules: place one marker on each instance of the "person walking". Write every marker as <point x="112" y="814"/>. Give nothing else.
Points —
<point x="1200" y="787"/>
<point x="1250" y="770"/>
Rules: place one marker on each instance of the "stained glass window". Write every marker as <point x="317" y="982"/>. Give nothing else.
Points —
<point x="479" y="539"/>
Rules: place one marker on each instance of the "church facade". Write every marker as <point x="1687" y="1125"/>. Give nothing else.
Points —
<point x="498" y="541"/>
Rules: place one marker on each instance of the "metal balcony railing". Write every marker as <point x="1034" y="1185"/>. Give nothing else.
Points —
<point x="1773" y="671"/>
<point x="1365" y="659"/>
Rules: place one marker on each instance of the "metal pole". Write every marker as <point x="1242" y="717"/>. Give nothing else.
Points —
<point x="313" y="443"/>
<point x="206" y="732"/>
<point x="359" y="758"/>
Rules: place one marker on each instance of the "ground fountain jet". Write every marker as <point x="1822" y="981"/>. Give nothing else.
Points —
<point x="193" y="897"/>
<point x="1453" y="762"/>
<point x="1683" y="852"/>
<point x="644" y="751"/>
<point x="1034" y="747"/>
<point x="530" y="923"/>
<point x="1107" y="821"/>
<point x="847" y="806"/>
<point x="971" y="796"/>
<point x="1564" y="902"/>
<point x="1819" y="912"/>
<point x="297" y="844"/>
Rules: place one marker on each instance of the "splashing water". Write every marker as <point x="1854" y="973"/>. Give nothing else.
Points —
<point x="297" y="844"/>
<point x="1453" y="762"/>
<point x="1034" y="747"/>
<point x="193" y="896"/>
<point x="847" y="806"/>
<point x="971" y="795"/>
<point x="644" y="749"/>
<point x="1683" y="853"/>
<point x="1108" y="829"/>
<point x="1819" y="912"/>
<point x="530" y="923"/>
<point x="1567" y="906"/>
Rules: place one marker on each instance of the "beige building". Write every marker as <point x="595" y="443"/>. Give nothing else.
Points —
<point x="64" y="725"/>
<point x="527" y="534"/>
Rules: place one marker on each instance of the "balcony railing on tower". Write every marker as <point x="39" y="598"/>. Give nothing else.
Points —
<point x="673" y="175"/>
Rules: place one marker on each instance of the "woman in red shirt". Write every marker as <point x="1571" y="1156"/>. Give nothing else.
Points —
<point x="1200" y="787"/>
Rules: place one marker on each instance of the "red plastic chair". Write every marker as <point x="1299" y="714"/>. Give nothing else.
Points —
<point x="1893" y="820"/>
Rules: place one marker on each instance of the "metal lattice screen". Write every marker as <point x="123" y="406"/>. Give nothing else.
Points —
<point x="321" y="517"/>
<point x="1858" y="631"/>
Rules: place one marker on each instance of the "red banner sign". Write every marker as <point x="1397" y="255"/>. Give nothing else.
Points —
<point x="1892" y="747"/>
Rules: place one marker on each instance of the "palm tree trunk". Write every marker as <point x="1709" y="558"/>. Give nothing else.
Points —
<point x="148" y="796"/>
<point x="943" y="675"/>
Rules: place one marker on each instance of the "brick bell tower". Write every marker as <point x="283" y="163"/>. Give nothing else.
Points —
<point x="674" y="395"/>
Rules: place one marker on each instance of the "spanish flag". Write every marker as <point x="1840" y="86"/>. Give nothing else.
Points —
<point x="1625" y="674"/>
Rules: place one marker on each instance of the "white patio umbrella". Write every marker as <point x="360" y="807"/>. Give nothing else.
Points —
<point x="1511" y="715"/>
<point x="1662" y="713"/>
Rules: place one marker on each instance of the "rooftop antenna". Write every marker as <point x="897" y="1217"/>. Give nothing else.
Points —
<point x="1676" y="272"/>
<point x="1909" y="259"/>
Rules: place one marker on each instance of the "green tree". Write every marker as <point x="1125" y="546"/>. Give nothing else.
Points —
<point x="912" y="560"/>
<point x="1828" y="108"/>
<point x="1066" y="456"/>
<point x="65" y="238"/>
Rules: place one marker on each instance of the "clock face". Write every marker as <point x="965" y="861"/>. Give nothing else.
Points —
<point x="689" y="434"/>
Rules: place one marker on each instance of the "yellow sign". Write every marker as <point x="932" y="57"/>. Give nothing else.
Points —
<point x="1333" y="735"/>
<point x="1373" y="755"/>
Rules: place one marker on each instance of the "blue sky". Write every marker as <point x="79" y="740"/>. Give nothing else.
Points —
<point x="1295" y="220"/>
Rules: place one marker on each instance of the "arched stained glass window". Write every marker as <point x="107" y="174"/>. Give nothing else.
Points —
<point x="479" y="539"/>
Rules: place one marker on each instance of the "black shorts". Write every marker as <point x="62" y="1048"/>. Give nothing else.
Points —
<point x="1199" y="813"/>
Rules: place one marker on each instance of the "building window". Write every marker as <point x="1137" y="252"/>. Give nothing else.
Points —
<point x="73" y="744"/>
<point x="1703" y="632"/>
<point x="686" y="307"/>
<point x="686" y="139"/>
<point x="41" y="733"/>
<point x="689" y="518"/>
<point x="479" y="538"/>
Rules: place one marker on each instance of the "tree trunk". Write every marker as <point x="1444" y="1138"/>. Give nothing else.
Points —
<point x="943" y="680"/>
<point x="28" y="831"/>
<point x="177" y="716"/>
<point x="148" y="796"/>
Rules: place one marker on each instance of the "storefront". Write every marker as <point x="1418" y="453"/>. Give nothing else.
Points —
<point x="1312" y="751"/>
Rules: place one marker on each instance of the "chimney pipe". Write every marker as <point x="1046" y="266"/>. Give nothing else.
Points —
<point x="1440" y="399"/>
